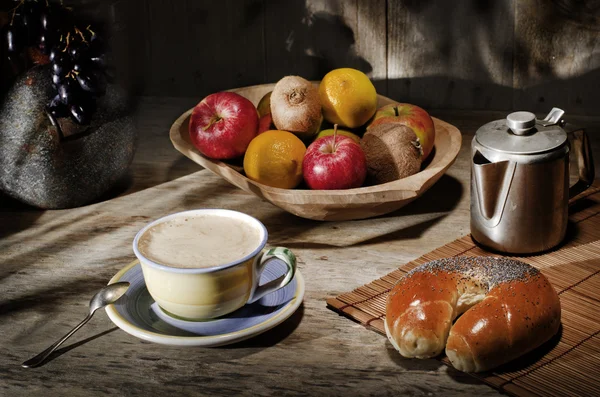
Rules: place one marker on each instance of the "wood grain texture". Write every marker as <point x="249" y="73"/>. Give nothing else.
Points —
<point x="51" y="263"/>
<point x="372" y="40"/>
<point x="557" y="55"/>
<point x="309" y="38"/>
<point x="451" y="54"/>
<point x="200" y="47"/>
<point x="523" y="55"/>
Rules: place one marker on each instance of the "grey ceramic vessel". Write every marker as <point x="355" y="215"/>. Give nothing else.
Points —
<point x="39" y="168"/>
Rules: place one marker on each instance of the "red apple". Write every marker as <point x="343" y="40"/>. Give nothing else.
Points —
<point x="223" y="124"/>
<point x="265" y="123"/>
<point x="334" y="162"/>
<point x="411" y="116"/>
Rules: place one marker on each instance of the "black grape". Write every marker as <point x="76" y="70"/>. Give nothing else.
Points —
<point x="14" y="39"/>
<point x="57" y="79"/>
<point x="79" y="66"/>
<point x="48" y="21"/>
<point x="97" y="46"/>
<point x="45" y="43"/>
<point x="54" y="53"/>
<point x="78" y="51"/>
<point x="99" y="61"/>
<point x="31" y="18"/>
<point x="31" y="12"/>
<point x="93" y="82"/>
<point x="61" y="64"/>
<point x="69" y="92"/>
<point x="55" y="101"/>
<point x="81" y="113"/>
<point x="56" y="108"/>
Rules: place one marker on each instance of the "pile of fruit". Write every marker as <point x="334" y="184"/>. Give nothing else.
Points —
<point x="350" y="142"/>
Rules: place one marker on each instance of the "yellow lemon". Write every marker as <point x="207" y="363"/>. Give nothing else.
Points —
<point x="274" y="158"/>
<point x="348" y="97"/>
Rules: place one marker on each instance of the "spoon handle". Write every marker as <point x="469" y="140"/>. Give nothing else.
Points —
<point x="37" y="360"/>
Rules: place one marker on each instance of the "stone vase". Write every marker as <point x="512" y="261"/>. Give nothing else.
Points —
<point x="45" y="169"/>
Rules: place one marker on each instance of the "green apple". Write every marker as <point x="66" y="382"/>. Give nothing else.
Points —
<point x="264" y="105"/>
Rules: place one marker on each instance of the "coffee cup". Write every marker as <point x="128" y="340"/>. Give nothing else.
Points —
<point x="206" y="263"/>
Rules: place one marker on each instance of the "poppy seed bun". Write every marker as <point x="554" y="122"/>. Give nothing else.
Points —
<point x="506" y="307"/>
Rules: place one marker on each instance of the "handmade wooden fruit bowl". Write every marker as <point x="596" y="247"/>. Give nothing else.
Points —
<point x="330" y="205"/>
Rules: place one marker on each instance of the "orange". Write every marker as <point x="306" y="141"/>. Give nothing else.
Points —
<point x="348" y="97"/>
<point x="274" y="158"/>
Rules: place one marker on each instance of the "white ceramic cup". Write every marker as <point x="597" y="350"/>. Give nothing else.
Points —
<point x="208" y="292"/>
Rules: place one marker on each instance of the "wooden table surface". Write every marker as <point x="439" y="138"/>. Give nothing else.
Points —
<point x="52" y="262"/>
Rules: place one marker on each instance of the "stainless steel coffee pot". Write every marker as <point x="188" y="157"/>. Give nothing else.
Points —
<point x="520" y="181"/>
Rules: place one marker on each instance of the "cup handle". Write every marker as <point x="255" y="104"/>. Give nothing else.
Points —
<point x="585" y="161"/>
<point x="288" y="258"/>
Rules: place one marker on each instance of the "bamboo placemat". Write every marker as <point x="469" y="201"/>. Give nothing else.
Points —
<point x="569" y="364"/>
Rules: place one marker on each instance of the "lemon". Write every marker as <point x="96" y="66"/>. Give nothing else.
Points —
<point x="274" y="158"/>
<point x="348" y="97"/>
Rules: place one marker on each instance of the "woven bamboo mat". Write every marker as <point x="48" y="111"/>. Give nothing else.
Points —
<point x="569" y="364"/>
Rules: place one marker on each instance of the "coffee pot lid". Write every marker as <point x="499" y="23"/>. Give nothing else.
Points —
<point x="522" y="133"/>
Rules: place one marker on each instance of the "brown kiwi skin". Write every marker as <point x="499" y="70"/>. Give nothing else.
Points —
<point x="393" y="152"/>
<point x="295" y="106"/>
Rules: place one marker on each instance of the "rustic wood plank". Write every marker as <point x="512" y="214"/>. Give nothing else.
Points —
<point x="557" y="56"/>
<point x="371" y="39"/>
<point x="310" y="38"/>
<point x="529" y="55"/>
<point x="195" y="48"/>
<point x="451" y="54"/>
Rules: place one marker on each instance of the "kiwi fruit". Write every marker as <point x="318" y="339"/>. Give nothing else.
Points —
<point x="393" y="151"/>
<point x="295" y="107"/>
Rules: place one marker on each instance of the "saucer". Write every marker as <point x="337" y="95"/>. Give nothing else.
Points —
<point x="137" y="314"/>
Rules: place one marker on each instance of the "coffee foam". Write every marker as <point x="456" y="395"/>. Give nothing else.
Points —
<point x="200" y="241"/>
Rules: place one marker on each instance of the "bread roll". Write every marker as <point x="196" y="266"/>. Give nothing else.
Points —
<point x="508" y="309"/>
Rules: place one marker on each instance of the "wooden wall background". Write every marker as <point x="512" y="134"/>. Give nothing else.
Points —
<point x="460" y="54"/>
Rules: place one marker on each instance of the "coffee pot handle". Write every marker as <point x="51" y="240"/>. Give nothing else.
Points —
<point x="287" y="257"/>
<point x="585" y="161"/>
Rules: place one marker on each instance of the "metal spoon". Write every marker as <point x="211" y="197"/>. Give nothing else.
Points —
<point x="107" y="295"/>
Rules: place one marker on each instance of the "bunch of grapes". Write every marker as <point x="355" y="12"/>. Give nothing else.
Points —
<point x="77" y="55"/>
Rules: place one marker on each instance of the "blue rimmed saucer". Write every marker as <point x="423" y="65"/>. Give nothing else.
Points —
<point x="137" y="314"/>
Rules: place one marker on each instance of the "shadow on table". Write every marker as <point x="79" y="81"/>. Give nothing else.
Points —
<point x="149" y="177"/>
<point x="27" y="215"/>
<point x="274" y="335"/>
<point x="59" y="352"/>
<point x="20" y="216"/>
<point x="443" y="196"/>
<point x="411" y="364"/>
<point x="51" y="294"/>
<point x="439" y="200"/>
<point x="415" y="364"/>
<point x="521" y="363"/>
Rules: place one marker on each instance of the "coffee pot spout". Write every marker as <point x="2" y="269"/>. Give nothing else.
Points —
<point x="492" y="182"/>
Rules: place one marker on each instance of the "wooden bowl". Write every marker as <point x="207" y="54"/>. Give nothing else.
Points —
<point x="330" y="205"/>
